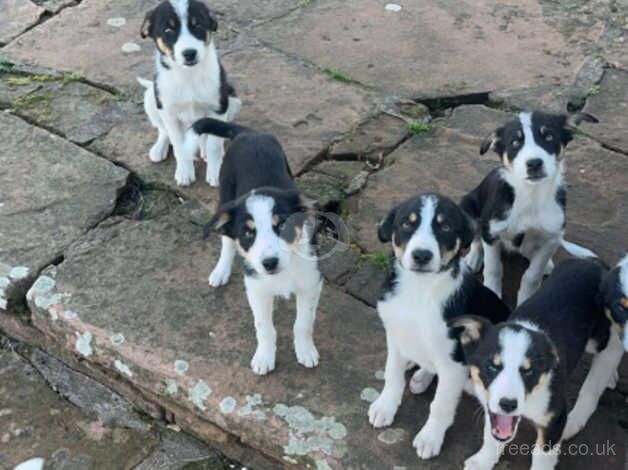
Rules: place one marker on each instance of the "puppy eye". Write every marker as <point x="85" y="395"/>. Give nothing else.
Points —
<point x="549" y="137"/>
<point x="406" y="225"/>
<point x="248" y="233"/>
<point x="527" y="372"/>
<point x="516" y="143"/>
<point x="445" y="228"/>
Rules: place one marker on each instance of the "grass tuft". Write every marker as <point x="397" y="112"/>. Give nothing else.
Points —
<point x="379" y="258"/>
<point x="418" y="127"/>
<point x="338" y="75"/>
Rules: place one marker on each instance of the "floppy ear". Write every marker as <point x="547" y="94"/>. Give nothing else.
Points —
<point x="385" y="227"/>
<point x="493" y="141"/>
<point x="221" y="221"/>
<point x="576" y="119"/>
<point x="469" y="229"/>
<point x="147" y="26"/>
<point x="469" y="330"/>
<point x="213" y="24"/>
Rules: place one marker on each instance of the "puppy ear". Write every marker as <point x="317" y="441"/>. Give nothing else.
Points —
<point x="385" y="227"/>
<point x="147" y="26"/>
<point x="221" y="221"/>
<point x="493" y="141"/>
<point x="213" y="24"/>
<point x="467" y="234"/>
<point x="469" y="330"/>
<point x="576" y="119"/>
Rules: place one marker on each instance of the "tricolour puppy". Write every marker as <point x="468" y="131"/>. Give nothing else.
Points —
<point x="428" y="287"/>
<point x="521" y="368"/>
<point x="263" y="216"/>
<point x="614" y="298"/>
<point x="521" y="205"/>
<point x="190" y="83"/>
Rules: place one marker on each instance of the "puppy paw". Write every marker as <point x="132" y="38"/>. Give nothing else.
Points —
<point x="612" y="382"/>
<point x="212" y="178"/>
<point x="184" y="175"/>
<point x="263" y="361"/>
<point x="219" y="276"/>
<point x="428" y="443"/>
<point x="158" y="153"/>
<point x="382" y="412"/>
<point x="420" y="381"/>
<point x="478" y="462"/>
<point x="307" y="354"/>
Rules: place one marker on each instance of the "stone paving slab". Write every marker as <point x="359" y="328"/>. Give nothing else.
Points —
<point x="36" y="422"/>
<point x="132" y="299"/>
<point x="609" y="103"/>
<point x="433" y="49"/>
<point x="51" y="192"/>
<point x="16" y="16"/>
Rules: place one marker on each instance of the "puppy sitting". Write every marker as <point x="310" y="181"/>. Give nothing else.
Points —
<point x="614" y="298"/>
<point x="190" y="83"/>
<point x="521" y="368"/>
<point x="429" y="286"/>
<point x="262" y="215"/>
<point x="521" y="205"/>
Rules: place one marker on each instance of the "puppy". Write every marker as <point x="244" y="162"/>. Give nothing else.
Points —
<point x="429" y="286"/>
<point x="521" y="205"/>
<point x="190" y="83"/>
<point x="614" y="298"/>
<point x="263" y="217"/>
<point x="521" y="368"/>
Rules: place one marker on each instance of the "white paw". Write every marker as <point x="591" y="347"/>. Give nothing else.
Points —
<point x="307" y="355"/>
<point x="612" y="382"/>
<point x="219" y="276"/>
<point x="382" y="412"/>
<point x="184" y="175"/>
<point x="213" y="177"/>
<point x="428" y="443"/>
<point x="572" y="428"/>
<point x="158" y="153"/>
<point x="263" y="361"/>
<point x="549" y="267"/>
<point x="420" y="381"/>
<point x="477" y="462"/>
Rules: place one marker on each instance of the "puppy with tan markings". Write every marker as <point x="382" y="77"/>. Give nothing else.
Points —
<point x="614" y="298"/>
<point x="521" y="368"/>
<point x="190" y="83"/>
<point x="429" y="286"/>
<point x="263" y="217"/>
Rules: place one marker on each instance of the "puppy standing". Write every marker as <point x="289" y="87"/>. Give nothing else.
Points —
<point x="263" y="217"/>
<point x="521" y="368"/>
<point x="521" y="205"/>
<point x="429" y="286"/>
<point x="190" y="83"/>
<point x="614" y="298"/>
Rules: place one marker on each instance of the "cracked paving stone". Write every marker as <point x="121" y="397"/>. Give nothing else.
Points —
<point x="16" y="16"/>
<point x="51" y="193"/>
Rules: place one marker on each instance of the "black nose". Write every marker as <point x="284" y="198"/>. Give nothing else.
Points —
<point x="508" y="405"/>
<point x="422" y="256"/>
<point x="534" y="165"/>
<point x="189" y="55"/>
<point x="270" y="264"/>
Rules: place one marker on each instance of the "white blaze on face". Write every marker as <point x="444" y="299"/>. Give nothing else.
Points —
<point x="186" y="41"/>
<point x="508" y="383"/>
<point x="267" y="243"/>
<point x="423" y="238"/>
<point x="530" y="151"/>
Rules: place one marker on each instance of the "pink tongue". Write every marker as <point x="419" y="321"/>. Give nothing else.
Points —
<point x="504" y="426"/>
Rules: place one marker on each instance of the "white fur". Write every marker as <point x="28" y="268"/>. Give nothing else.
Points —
<point x="297" y="274"/>
<point x="417" y="332"/>
<point x="187" y="93"/>
<point x="423" y="238"/>
<point x="36" y="463"/>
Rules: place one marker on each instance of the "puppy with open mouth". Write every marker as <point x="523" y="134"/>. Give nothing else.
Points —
<point x="520" y="368"/>
<point x="263" y="217"/>
<point x="190" y="83"/>
<point x="429" y="286"/>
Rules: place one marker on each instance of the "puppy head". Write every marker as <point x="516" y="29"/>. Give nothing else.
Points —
<point x="429" y="233"/>
<point x="530" y="146"/>
<point x="510" y="364"/>
<point x="614" y="298"/>
<point x="267" y="224"/>
<point x="181" y="29"/>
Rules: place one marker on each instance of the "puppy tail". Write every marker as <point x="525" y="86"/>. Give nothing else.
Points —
<point x="145" y="83"/>
<point x="226" y="130"/>
<point x="577" y="250"/>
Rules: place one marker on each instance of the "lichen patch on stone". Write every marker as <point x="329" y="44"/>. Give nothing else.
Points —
<point x="249" y="410"/>
<point x="379" y="375"/>
<point x="171" y="387"/>
<point x="181" y="366"/>
<point x="130" y="47"/>
<point x="117" y="339"/>
<point x="43" y="284"/>
<point x="369" y="394"/>
<point x="18" y="272"/>
<point x="123" y="368"/>
<point x="227" y="405"/>
<point x="391" y="436"/>
<point x="116" y="22"/>
<point x="83" y="344"/>
<point x="199" y="394"/>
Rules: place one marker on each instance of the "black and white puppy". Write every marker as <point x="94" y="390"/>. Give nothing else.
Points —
<point x="190" y="83"/>
<point x="263" y="216"/>
<point x="614" y="298"/>
<point x="521" y="368"/>
<point x="429" y="286"/>
<point x="520" y="206"/>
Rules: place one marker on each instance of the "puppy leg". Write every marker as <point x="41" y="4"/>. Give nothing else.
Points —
<point x="547" y="448"/>
<point x="307" y="302"/>
<point x="421" y="381"/>
<point x="221" y="273"/>
<point x="261" y="302"/>
<point x="603" y="369"/>
<point x="159" y="151"/>
<point x="451" y="382"/>
<point x="488" y="456"/>
<point x="184" y="174"/>
<point x="532" y="277"/>
<point x="215" y="152"/>
<point x="382" y="411"/>
<point x="235" y="104"/>
<point x="493" y="268"/>
<point x="475" y="256"/>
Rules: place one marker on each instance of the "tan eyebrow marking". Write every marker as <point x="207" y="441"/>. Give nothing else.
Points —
<point x="412" y="217"/>
<point x="275" y="220"/>
<point x="250" y="223"/>
<point x="527" y="364"/>
<point x="497" y="360"/>
<point x="440" y="218"/>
